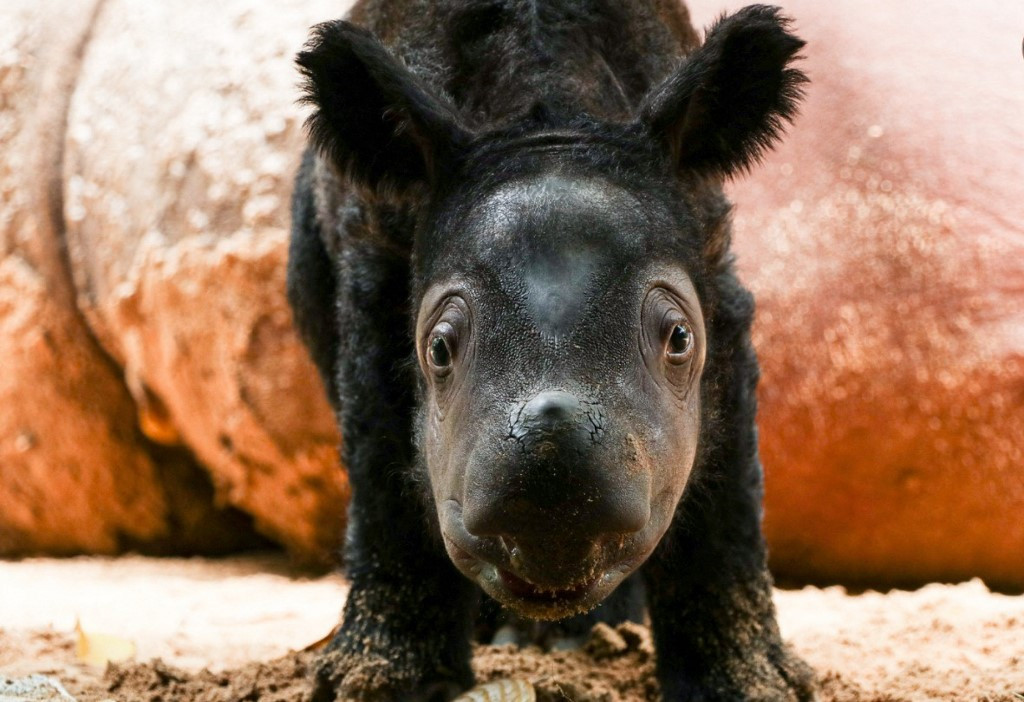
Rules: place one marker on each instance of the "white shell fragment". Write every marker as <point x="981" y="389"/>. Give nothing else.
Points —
<point x="505" y="690"/>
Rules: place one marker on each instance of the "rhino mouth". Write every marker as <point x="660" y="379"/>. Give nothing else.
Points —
<point x="487" y="562"/>
<point x="524" y="589"/>
<point x="530" y="599"/>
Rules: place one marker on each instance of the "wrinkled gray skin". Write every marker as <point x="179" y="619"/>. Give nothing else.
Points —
<point x="560" y="437"/>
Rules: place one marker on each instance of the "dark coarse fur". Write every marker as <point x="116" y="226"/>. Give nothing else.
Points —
<point x="418" y="103"/>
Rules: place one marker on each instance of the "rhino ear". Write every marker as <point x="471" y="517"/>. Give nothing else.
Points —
<point x="727" y="103"/>
<point x="380" y="124"/>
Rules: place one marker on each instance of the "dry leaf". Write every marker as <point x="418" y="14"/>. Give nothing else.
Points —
<point x="100" y="649"/>
<point x="322" y="643"/>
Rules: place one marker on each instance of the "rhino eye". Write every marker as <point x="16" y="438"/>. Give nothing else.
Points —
<point x="446" y="341"/>
<point x="440" y="355"/>
<point x="680" y="343"/>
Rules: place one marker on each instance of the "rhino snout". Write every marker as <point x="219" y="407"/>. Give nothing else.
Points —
<point x="561" y="481"/>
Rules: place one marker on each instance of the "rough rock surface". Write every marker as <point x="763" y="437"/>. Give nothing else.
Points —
<point x="76" y="473"/>
<point x="66" y="421"/>
<point x="183" y="137"/>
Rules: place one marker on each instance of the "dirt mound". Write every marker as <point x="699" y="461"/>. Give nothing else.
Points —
<point x="212" y="630"/>
<point x="283" y="680"/>
<point x="615" y="665"/>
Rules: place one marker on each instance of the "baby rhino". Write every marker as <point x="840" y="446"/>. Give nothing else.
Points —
<point x="510" y="261"/>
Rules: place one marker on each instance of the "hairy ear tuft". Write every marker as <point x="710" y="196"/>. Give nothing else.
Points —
<point x="379" y="123"/>
<point x="728" y="102"/>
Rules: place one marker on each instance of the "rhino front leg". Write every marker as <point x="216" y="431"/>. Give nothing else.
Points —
<point x="405" y="629"/>
<point x="719" y="641"/>
<point x="400" y="639"/>
<point x="709" y="591"/>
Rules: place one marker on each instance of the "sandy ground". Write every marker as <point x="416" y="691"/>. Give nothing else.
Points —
<point x="941" y="642"/>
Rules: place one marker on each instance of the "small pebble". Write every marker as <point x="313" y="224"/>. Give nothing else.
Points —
<point x="605" y="642"/>
<point x="34" y="687"/>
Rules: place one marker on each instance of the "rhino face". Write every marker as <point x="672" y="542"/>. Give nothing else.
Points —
<point x="561" y="352"/>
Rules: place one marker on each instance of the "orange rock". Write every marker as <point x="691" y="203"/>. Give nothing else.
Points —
<point x="182" y="145"/>
<point x="76" y="475"/>
<point x="73" y="477"/>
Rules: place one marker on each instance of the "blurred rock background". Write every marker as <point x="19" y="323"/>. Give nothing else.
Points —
<point x="153" y="394"/>
<point x="154" y="397"/>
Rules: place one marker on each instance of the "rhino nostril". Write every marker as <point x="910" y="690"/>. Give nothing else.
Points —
<point x="553" y="407"/>
<point x="547" y="412"/>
